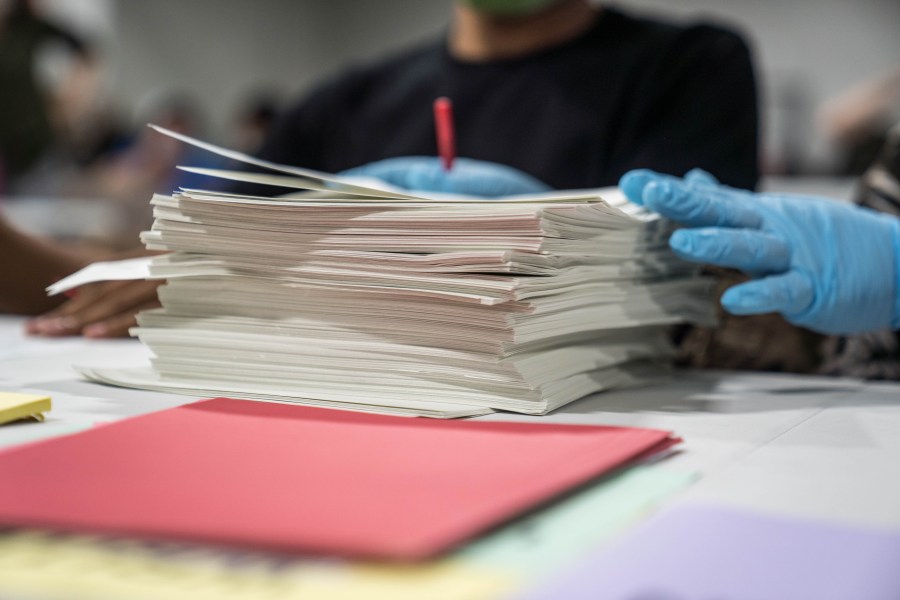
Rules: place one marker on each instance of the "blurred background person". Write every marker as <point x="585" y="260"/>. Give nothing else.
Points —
<point x="253" y="120"/>
<point x="145" y="164"/>
<point x="33" y="119"/>
<point x="857" y="120"/>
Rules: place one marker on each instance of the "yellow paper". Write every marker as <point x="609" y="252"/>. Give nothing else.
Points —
<point x="47" y="565"/>
<point x="14" y="406"/>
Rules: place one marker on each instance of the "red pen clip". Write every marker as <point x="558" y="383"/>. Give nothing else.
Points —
<point x="446" y="136"/>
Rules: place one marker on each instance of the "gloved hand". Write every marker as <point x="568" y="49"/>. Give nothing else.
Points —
<point x="825" y="265"/>
<point x="468" y="176"/>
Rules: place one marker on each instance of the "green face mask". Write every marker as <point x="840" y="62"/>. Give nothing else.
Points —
<point x="509" y="7"/>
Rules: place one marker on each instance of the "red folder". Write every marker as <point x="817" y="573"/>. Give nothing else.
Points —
<point x="310" y="480"/>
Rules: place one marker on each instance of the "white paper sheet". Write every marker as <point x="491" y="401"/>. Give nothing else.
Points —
<point x="115" y="270"/>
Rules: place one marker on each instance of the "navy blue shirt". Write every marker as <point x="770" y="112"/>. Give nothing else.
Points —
<point x="630" y="92"/>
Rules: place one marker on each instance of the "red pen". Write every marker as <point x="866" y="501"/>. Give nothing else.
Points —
<point x="446" y="136"/>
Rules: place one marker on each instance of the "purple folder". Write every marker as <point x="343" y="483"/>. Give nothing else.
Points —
<point x="697" y="552"/>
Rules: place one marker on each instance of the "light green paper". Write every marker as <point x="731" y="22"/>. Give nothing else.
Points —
<point x="543" y="542"/>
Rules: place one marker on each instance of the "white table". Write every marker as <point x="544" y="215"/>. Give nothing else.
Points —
<point x="803" y="446"/>
<point x="827" y="451"/>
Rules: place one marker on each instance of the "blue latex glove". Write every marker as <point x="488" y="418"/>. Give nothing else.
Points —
<point x="468" y="176"/>
<point x="823" y="264"/>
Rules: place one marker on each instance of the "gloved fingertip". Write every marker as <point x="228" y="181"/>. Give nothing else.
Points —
<point x="656" y="194"/>
<point x="682" y="242"/>
<point x="739" y="301"/>
<point x="699" y="176"/>
<point x="633" y="182"/>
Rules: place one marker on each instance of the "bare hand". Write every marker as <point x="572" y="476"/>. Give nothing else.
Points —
<point x="98" y="310"/>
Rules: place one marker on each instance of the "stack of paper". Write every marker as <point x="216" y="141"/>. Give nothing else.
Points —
<point x="371" y="298"/>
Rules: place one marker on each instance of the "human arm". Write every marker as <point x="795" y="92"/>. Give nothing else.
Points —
<point x="871" y="105"/>
<point x="27" y="266"/>
<point x="825" y="265"/>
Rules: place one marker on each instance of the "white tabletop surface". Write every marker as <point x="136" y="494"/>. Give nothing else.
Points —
<point x="804" y="446"/>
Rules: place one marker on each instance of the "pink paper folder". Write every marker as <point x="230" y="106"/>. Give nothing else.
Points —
<point x="712" y="553"/>
<point x="310" y="480"/>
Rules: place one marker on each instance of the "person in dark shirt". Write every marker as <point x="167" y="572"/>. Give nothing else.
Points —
<point x="26" y="130"/>
<point x="573" y="95"/>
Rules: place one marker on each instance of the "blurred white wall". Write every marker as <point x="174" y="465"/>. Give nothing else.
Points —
<point x="807" y="50"/>
<point x="217" y="50"/>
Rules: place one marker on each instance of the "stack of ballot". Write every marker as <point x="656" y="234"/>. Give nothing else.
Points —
<point x="354" y="295"/>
